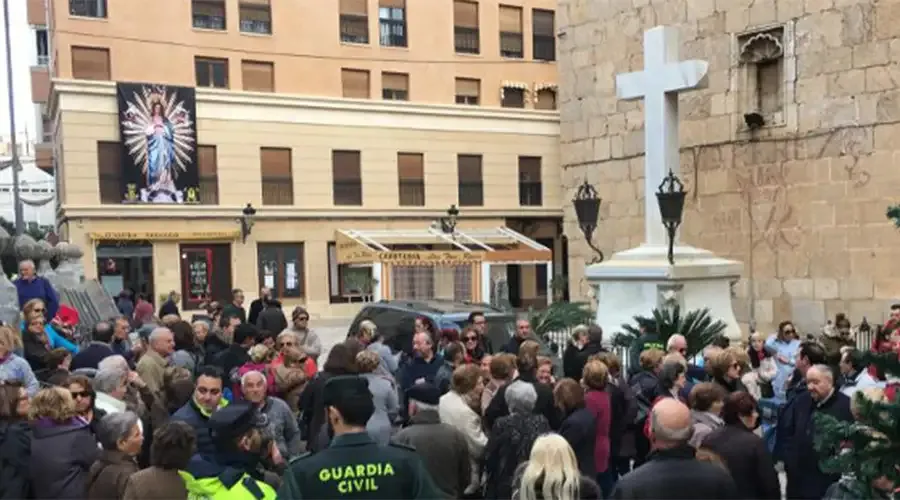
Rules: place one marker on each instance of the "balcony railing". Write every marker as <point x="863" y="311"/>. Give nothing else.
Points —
<point x="530" y="194"/>
<point x="87" y="8"/>
<point x="277" y="191"/>
<point x="207" y="22"/>
<point x="412" y="193"/>
<point x="354" y="29"/>
<point x="43" y="60"/>
<point x="392" y="32"/>
<point x="256" y="26"/>
<point x="394" y="95"/>
<point x="511" y="44"/>
<point x="209" y="190"/>
<point x="348" y="193"/>
<point x="544" y="47"/>
<point x="471" y="100"/>
<point x="466" y="40"/>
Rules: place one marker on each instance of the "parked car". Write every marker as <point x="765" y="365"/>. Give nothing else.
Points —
<point x="395" y="320"/>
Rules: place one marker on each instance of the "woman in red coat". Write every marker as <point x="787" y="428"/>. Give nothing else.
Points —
<point x="594" y="378"/>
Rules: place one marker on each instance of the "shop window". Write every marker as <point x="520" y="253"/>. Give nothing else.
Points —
<point x="205" y="273"/>
<point x="281" y="268"/>
<point x="348" y="283"/>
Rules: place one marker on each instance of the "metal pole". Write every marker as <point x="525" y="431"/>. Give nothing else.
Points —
<point x="17" y="203"/>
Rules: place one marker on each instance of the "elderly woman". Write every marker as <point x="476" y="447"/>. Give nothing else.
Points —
<point x="290" y="340"/>
<point x="579" y="425"/>
<point x="15" y="441"/>
<point x="121" y="437"/>
<point x="672" y="379"/>
<point x="277" y="417"/>
<point x="12" y="367"/>
<point x="36" y="342"/>
<point x="384" y="394"/>
<point x="705" y="400"/>
<point x="37" y="307"/>
<point x="511" y="439"/>
<point x="456" y="409"/>
<point x="369" y="335"/>
<point x="595" y="378"/>
<point x="727" y="368"/>
<point x="172" y="448"/>
<point x="62" y="447"/>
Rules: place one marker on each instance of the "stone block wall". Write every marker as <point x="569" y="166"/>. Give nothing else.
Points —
<point x="802" y="203"/>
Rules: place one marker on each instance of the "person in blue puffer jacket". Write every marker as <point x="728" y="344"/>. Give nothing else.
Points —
<point x="37" y="306"/>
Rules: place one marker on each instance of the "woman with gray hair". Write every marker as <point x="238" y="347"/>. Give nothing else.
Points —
<point x="511" y="439"/>
<point x="121" y="437"/>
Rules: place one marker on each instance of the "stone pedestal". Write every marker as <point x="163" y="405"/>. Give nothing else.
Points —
<point x="634" y="282"/>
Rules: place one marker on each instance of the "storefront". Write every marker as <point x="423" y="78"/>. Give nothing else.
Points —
<point x="428" y="264"/>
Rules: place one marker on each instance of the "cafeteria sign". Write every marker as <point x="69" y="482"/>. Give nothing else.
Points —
<point x="165" y="235"/>
<point x="406" y="258"/>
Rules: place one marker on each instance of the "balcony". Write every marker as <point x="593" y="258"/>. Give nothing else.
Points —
<point x="40" y="84"/>
<point x="207" y="22"/>
<point x="466" y="40"/>
<point x="354" y="29"/>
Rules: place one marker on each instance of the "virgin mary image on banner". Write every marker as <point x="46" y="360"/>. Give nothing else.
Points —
<point x="157" y="123"/>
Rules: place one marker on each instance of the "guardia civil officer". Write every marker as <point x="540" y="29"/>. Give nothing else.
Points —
<point x="354" y="466"/>
<point x="225" y="474"/>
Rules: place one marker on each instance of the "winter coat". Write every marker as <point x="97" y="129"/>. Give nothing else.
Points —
<point x="587" y="490"/>
<point x="90" y="356"/>
<point x="192" y="415"/>
<point x="675" y="474"/>
<point x="704" y="423"/>
<point x="544" y="404"/>
<point x="15" y="457"/>
<point x="509" y="445"/>
<point x="272" y="319"/>
<point x="859" y="381"/>
<point x="256" y="307"/>
<point x="581" y="358"/>
<point x="624" y="411"/>
<point x="570" y="361"/>
<point x="109" y="475"/>
<point x="580" y="430"/>
<point x="598" y="403"/>
<point x="281" y="426"/>
<point x="454" y="411"/>
<point x="155" y="483"/>
<point x="38" y="288"/>
<point x="61" y="456"/>
<point x="15" y="369"/>
<point x="443" y="449"/>
<point x="232" y="310"/>
<point x="747" y="459"/>
<point x="35" y="349"/>
<point x="309" y="341"/>
<point x="387" y="407"/>
<point x="730" y="385"/>
<point x="289" y="384"/>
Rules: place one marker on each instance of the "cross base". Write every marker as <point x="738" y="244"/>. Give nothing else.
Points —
<point x="635" y="281"/>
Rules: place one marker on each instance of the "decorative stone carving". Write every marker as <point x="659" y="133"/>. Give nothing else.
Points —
<point x="47" y="252"/>
<point x="9" y="298"/>
<point x="6" y="242"/>
<point x="762" y="47"/>
<point x="70" y="271"/>
<point x="25" y="247"/>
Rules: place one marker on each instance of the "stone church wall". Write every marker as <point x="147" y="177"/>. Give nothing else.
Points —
<point x="802" y="200"/>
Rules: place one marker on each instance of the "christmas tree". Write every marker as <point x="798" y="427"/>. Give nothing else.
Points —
<point x="868" y="449"/>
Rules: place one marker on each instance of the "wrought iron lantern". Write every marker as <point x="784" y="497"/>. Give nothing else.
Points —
<point x="248" y="214"/>
<point x="670" y="197"/>
<point x="448" y="223"/>
<point x="587" y="211"/>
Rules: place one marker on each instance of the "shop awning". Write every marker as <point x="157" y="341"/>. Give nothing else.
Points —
<point x="433" y="247"/>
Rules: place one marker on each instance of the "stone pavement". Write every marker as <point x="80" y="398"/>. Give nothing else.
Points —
<point x="332" y="331"/>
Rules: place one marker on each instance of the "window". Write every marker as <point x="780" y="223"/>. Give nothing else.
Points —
<point x="530" y="191"/>
<point x="511" y="31"/>
<point x="256" y="16"/>
<point x="208" y="14"/>
<point x="467" y="91"/>
<point x="90" y="63"/>
<point x="354" y="21"/>
<point x="258" y="76"/>
<point x="277" y="178"/>
<point x="345" y="170"/>
<point x="543" y="35"/>
<point x="471" y="185"/>
<point x="395" y="86"/>
<point x="348" y="283"/>
<point x="87" y="8"/>
<point x="512" y="98"/>
<point x="109" y="172"/>
<point x="355" y="83"/>
<point x="211" y="72"/>
<point x="281" y="268"/>
<point x="545" y="99"/>
<point x="411" y="175"/>
<point x="205" y="272"/>
<point x="465" y="27"/>
<point x="46" y="126"/>
<point x="392" y="23"/>
<point x="42" y="46"/>
<point x="208" y="168"/>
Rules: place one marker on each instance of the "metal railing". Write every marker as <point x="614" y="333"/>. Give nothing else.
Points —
<point x="256" y="26"/>
<point x="354" y="28"/>
<point x="466" y="40"/>
<point x="207" y="22"/>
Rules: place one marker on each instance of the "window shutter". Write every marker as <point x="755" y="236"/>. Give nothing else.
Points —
<point x="529" y="169"/>
<point x="546" y="99"/>
<point x="355" y="83"/>
<point x="109" y="158"/>
<point x="543" y="22"/>
<point x="208" y="9"/>
<point x="396" y="4"/>
<point x="256" y="13"/>
<point x="395" y="81"/>
<point x="465" y="14"/>
<point x="275" y="162"/>
<point x="345" y="165"/>
<point x="90" y="63"/>
<point x="468" y="87"/>
<point x="510" y="19"/>
<point x="354" y="7"/>
<point x="258" y="76"/>
<point x="255" y="2"/>
<point x="410" y="166"/>
<point x="207" y="161"/>
<point x="469" y="168"/>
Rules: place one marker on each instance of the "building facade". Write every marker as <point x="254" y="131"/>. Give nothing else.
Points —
<point x="325" y="117"/>
<point x="788" y="155"/>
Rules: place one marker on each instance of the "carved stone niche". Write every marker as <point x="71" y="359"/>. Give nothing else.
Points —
<point x="761" y="56"/>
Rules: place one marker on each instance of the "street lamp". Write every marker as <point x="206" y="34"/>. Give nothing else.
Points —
<point x="670" y="197"/>
<point x="448" y="223"/>
<point x="246" y="221"/>
<point x="587" y="211"/>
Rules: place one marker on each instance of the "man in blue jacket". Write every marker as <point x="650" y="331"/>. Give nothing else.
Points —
<point x="31" y="286"/>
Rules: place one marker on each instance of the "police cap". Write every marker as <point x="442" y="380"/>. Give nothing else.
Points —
<point x="343" y="388"/>
<point x="424" y="393"/>
<point x="233" y="420"/>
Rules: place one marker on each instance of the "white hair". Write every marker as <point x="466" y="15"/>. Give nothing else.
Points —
<point x="673" y="340"/>
<point x="423" y="406"/>
<point x="27" y="262"/>
<point x="116" y="427"/>
<point x="245" y="377"/>
<point x="288" y="333"/>
<point x="553" y="466"/>
<point x="157" y="333"/>
<point x="111" y="362"/>
<point x="520" y="397"/>
<point x="825" y="370"/>
<point x="663" y="433"/>
<point x="108" y="380"/>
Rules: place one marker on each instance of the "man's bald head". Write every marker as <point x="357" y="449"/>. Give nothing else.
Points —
<point x="670" y="423"/>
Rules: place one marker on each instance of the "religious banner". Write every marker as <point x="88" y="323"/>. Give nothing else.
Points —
<point x="159" y="138"/>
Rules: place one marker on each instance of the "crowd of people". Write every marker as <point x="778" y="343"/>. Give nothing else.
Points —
<point x="236" y="405"/>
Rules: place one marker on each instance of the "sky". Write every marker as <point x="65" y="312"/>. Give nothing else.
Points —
<point x="22" y="53"/>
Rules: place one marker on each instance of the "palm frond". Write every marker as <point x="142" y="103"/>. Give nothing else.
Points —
<point x="697" y="326"/>
<point x="560" y="316"/>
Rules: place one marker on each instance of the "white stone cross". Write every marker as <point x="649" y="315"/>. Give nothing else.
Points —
<point x="663" y="77"/>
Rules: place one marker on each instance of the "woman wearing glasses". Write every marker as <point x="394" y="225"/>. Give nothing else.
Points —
<point x="37" y="307"/>
<point x="36" y="342"/>
<point x="474" y="352"/>
<point x="82" y="392"/>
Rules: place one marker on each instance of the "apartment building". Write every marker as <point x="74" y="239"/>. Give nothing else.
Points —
<point x="310" y="121"/>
